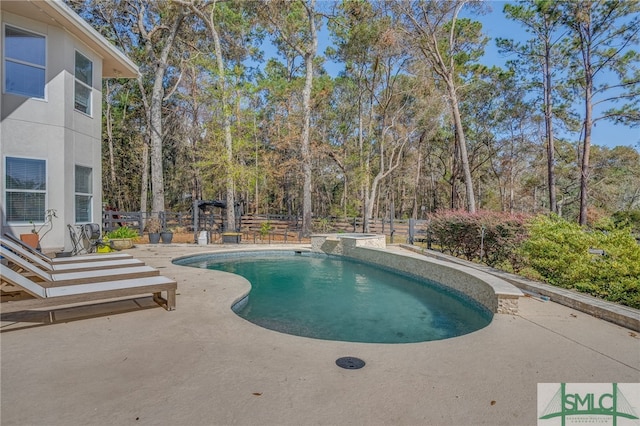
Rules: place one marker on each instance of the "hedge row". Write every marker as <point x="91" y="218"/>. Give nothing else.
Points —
<point x="550" y="249"/>
<point x="489" y="237"/>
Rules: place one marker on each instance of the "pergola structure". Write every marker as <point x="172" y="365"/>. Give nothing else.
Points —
<point x="202" y="206"/>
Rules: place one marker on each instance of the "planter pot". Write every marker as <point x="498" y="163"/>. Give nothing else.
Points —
<point x="154" y="237"/>
<point x="167" y="237"/>
<point x="121" y="243"/>
<point x="231" y="238"/>
<point x="31" y="239"/>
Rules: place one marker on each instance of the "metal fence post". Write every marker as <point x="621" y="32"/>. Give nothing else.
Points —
<point x="140" y="224"/>
<point x="412" y="230"/>
<point x="196" y="220"/>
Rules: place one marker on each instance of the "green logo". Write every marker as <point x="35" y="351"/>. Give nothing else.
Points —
<point x="582" y="402"/>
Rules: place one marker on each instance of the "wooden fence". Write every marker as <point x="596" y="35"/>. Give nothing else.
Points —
<point x="267" y="228"/>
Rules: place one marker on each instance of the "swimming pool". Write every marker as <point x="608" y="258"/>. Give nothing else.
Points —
<point x="334" y="298"/>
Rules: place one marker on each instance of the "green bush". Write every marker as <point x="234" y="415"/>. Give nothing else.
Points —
<point x="549" y="249"/>
<point x="628" y="218"/>
<point x="559" y="252"/>
<point x="122" y="232"/>
<point x="265" y="228"/>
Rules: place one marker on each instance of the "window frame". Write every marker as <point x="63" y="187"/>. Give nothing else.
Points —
<point x="5" y="58"/>
<point x="77" y="194"/>
<point x="7" y="190"/>
<point x="77" y="81"/>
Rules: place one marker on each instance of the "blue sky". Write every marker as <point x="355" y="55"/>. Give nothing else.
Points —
<point x="496" y="25"/>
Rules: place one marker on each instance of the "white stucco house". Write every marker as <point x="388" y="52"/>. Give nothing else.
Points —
<point x="53" y="63"/>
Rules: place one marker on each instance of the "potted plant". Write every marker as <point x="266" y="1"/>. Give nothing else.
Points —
<point x="167" y="236"/>
<point x="153" y="228"/>
<point x="34" y="238"/>
<point x="122" y="238"/>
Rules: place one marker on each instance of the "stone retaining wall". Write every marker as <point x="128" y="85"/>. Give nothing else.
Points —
<point x="495" y="294"/>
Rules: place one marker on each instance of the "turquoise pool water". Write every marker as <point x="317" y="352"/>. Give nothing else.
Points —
<point x="333" y="298"/>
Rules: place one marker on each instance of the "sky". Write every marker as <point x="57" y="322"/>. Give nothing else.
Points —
<point x="496" y="25"/>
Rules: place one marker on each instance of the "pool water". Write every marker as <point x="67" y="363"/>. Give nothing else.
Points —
<point x="334" y="298"/>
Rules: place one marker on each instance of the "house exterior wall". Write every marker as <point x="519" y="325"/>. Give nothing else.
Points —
<point x="51" y="129"/>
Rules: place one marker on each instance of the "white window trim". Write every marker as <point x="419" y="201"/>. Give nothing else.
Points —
<point x="5" y="189"/>
<point x="4" y="60"/>
<point x="91" y="195"/>
<point x="76" y="80"/>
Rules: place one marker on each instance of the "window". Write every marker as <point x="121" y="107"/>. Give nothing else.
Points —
<point x="84" y="81"/>
<point x="25" y="189"/>
<point x="24" y="62"/>
<point x="83" y="194"/>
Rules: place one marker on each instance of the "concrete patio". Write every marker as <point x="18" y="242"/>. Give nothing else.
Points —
<point x="203" y="365"/>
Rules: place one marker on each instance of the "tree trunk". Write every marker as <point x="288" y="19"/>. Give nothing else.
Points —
<point x="230" y="223"/>
<point x="305" y="149"/>
<point x="511" y="185"/>
<point x="584" y="31"/>
<point x="157" y="177"/>
<point x="371" y="199"/>
<point x="306" y="129"/>
<point x="454" y="173"/>
<point x="155" y="116"/>
<point x="144" y="185"/>
<point x="584" y="169"/>
<point x="368" y="203"/>
<point x="548" y="122"/>
<point x="462" y="146"/>
<point x="414" y="213"/>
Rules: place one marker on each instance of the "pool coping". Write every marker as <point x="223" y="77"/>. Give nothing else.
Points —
<point x="618" y="314"/>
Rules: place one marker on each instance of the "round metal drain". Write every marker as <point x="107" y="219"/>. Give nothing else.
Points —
<point x="350" y="363"/>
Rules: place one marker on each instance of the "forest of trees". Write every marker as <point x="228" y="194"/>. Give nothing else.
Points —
<point x="234" y="102"/>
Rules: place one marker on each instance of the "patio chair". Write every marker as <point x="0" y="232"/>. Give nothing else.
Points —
<point x="54" y="278"/>
<point x="87" y="292"/>
<point x="71" y="259"/>
<point x="44" y="263"/>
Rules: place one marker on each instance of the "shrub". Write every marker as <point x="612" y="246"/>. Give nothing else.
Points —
<point x="456" y="232"/>
<point x="265" y="228"/>
<point x="461" y="234"/>
<point x="122" y="232"/>
<point x="628" y="218"/>
<point x="322" y="224"/>
<point x="559" y="252"/>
